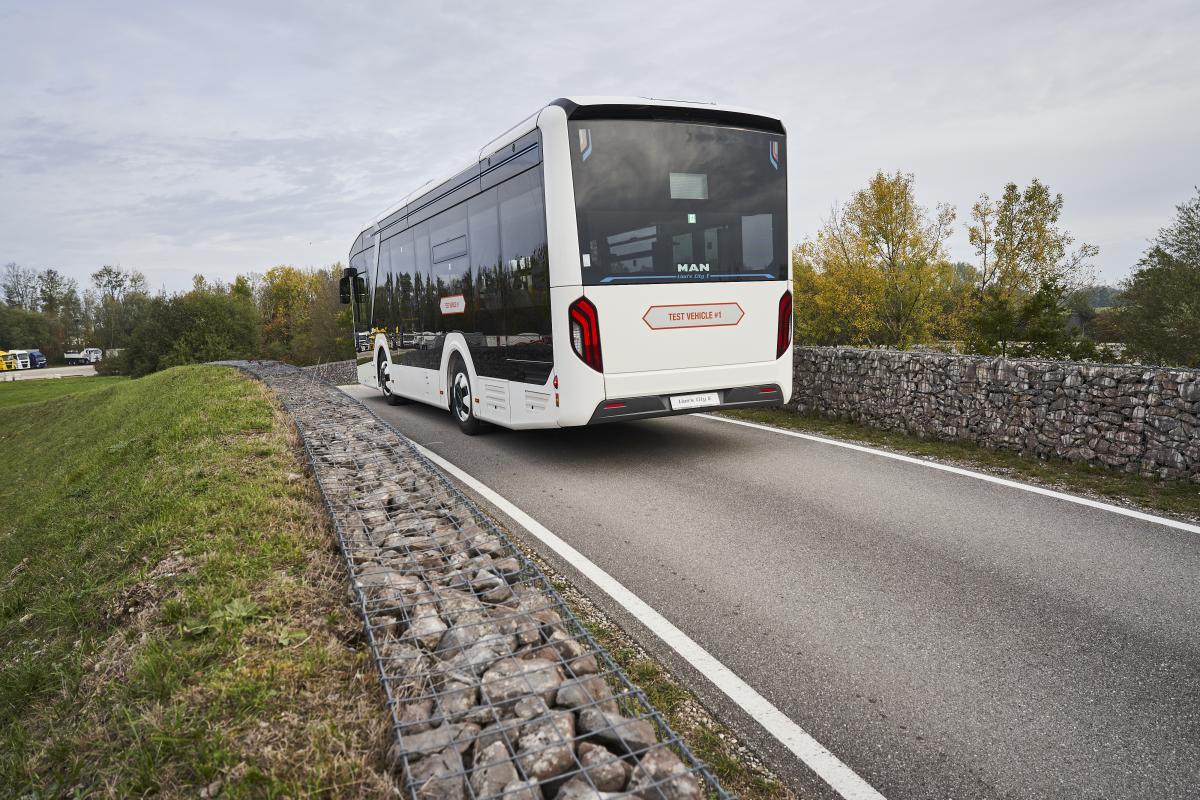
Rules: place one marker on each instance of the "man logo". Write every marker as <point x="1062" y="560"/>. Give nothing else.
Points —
<point x="691" y="268"/>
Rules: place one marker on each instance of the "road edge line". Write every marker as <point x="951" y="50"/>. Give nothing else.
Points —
<point x="840" y="777"/>
<point x="983" y="476"/>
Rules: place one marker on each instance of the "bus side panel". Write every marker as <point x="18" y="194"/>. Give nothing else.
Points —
<point x="580" y="387"/>
<point x="562" y="232"/>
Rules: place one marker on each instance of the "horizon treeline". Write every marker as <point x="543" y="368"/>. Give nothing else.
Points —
<point x="875" y="274"/>
<point x="287" y="313"/>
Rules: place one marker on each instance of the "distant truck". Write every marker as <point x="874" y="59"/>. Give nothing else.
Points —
<point x="21" y="357"/>
<point x="37" y="360"/>
<point x="7" y="362"/>
<point x="88" y="355"/>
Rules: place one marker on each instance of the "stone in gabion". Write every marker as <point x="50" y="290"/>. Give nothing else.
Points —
<point x="661" y="770"/>
<point x="606" y="771"/>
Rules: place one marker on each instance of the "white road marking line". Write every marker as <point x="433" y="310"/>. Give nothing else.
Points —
<point x="1026" y="487"/>
<point x="825" y="764"/>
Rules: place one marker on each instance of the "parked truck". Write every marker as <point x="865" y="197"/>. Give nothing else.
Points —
<point x="88" y="355"/>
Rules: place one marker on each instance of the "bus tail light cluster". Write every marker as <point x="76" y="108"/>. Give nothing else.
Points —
<point x="585" y="332"/>
<point x="783" y="337"/>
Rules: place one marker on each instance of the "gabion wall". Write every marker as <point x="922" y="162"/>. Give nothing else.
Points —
<point x="494" y="687"/>
<point x="1144" y="420"/>
<point x="339" y="373"/>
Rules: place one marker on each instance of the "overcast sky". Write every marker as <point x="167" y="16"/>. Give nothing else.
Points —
<point x="226" y="137"/>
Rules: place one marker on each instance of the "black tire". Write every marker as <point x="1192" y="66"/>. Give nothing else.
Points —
<point x="392" y="398"/>
<point x="462" y="400"/>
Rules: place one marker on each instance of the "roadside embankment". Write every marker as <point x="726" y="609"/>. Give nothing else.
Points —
<point x="173" y="619"/>
<point x="494" y="686"/>
<point x="1136" y="419"/>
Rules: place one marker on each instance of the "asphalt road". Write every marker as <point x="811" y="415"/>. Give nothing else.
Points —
<point x="943" y="636"/>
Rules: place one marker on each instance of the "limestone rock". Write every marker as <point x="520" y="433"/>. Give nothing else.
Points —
<point x="547" y="746"/>
<point x="416" y="746"/>
<point x="590" y="691"/>
<point x="494" y="770"/>
<point x="457" y="698"/>
<point x="661" y="771"/>
<point x="607" y="772"/>
<point x="510" y="679"/>
<point x="439" y="777"/>
<point x="578" y="789"/>
<point x="426" y="626"/>
<point x="523" y="790"/>
<point x="631" y="735"/>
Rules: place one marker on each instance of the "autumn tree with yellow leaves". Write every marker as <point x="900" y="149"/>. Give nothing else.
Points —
<point x="1028" y="267"/>
<point x="877" y="272"/>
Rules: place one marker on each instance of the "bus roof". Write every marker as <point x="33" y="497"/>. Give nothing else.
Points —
<point x="592" y="107"/>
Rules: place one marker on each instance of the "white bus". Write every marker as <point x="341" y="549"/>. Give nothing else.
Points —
<point x="606" y="259"/>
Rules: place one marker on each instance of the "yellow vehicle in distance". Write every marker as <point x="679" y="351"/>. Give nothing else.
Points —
<point x="7" y="361"/>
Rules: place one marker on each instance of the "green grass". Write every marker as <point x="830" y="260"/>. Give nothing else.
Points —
<point x="171" y="608"/>
<point x="15" y="393"/>
<point x="1169" y="497"/>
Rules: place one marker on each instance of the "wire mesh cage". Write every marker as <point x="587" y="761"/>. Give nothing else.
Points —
<point x="494" y="686"/>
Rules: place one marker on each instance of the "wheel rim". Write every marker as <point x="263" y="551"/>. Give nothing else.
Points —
<point x="461" y="395"/>
<point x="383" y="379"/>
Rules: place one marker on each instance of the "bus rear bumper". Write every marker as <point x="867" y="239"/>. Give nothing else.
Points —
<point x="628" y="408"/>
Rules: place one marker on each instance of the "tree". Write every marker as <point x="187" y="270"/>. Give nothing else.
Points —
<point x="1159" y="313"/>
<point x="1024" y="257"/>
<point x="210" y="323"/>
<point x="304" y="321"/>
<point x="835" y="298"/>
<point x="116" y="287"/>
<point x="877" y="271"/>
<point x="19" y="286"/>
<point x="21" y="328"/>
<point x="1181" y="239"/>
<point x="285" y="295"/>
<point x="52" y="289"/>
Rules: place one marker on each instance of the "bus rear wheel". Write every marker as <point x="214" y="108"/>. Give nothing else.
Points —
<point x="462" y="404"/>
<point x="392" y="398"/>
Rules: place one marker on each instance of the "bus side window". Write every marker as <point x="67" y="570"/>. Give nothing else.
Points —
<point x="527" y="272"/>
<point x="483" y="234"/>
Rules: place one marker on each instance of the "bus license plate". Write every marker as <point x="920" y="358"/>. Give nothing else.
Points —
<point x="687" y="401"/>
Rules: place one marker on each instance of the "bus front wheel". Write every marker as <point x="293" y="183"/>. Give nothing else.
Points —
<point x="462" y="404"/>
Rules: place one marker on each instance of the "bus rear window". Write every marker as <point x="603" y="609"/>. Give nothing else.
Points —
<point x="671" y="201"/>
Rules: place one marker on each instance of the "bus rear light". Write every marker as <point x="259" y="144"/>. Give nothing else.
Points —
<point x="585" y="332"/>
<point x="614" y="405"/>
<point x="783" y="336"/>
<point x="767" y="390"/>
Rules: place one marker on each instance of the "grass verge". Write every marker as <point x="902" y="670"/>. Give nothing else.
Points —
<point x="15" y="393"/>
<point x="1177" y="498"/>
<point x="172" y="612"/>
